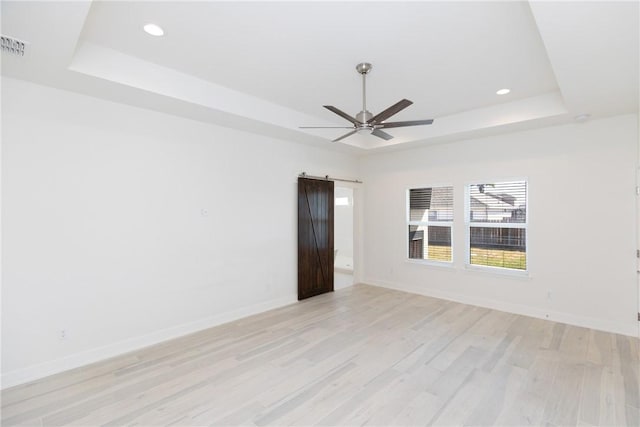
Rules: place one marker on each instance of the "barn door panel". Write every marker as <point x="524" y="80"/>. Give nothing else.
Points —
<point x="315" y="237"/>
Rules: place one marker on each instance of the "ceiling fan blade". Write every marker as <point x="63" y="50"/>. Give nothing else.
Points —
<point x="403" y="124"/>
<point x="345" y="135"/>
<point x="341" y="114"/>
<point x="325" y="127"/>
<point x="394" y="109"/>
<point x="381" y="134"/>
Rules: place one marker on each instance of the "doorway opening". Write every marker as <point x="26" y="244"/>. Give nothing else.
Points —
<point x="343" y="237"/>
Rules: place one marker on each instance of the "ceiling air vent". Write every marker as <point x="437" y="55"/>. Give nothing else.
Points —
<point x="12" y="46"/>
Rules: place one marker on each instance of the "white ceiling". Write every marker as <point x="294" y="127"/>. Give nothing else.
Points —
<point x="270" y="66"/>
<point x="302" y="55"/>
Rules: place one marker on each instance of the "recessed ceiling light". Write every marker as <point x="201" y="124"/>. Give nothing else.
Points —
<point x="154" y="30"/>
<point x="503" y="91"/>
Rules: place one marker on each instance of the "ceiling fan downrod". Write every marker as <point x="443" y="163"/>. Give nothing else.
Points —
<point x="364" y="115"/>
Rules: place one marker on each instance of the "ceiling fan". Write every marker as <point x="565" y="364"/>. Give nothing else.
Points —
<point x="365" y="121"/>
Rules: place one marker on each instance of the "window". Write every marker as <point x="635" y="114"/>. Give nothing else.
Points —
<point x="429" y="223"/>
<point x="496" y="220"/>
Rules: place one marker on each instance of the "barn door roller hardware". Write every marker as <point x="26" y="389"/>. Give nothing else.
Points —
<point x="329" y="178"/>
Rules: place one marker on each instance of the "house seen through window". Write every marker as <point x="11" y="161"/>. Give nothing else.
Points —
<point x="430" y="219"/>
<point x="496" y="220"/>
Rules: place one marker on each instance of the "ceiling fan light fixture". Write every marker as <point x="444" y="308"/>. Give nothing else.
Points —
<point x="503" y="91"/>
<point x="154" y="30"/>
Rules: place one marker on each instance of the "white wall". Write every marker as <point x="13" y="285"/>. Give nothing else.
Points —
<point x="638" y="223"/>
<point x="582" y="224"/>
<point x="103" y="232"/>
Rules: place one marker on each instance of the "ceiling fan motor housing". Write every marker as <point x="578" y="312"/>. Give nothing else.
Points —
<point x="364" y="116"/>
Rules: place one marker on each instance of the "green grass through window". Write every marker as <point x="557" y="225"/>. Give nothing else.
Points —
<point x="487" y="257"/>
<point x="440" y="253"/>
<point x="499" y="258"/>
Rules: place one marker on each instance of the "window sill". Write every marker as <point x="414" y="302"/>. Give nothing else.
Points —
<point x="497" y="271"/>
<point x="430" y="263"/>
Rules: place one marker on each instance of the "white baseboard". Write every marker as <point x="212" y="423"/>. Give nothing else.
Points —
<point x="570" y="319"/>
<point x="31" y="373"/>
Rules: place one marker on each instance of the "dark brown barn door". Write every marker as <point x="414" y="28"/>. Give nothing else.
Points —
<point x="315" y="237"/>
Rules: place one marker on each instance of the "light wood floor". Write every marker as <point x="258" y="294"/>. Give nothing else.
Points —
<point x="363" y="355"/>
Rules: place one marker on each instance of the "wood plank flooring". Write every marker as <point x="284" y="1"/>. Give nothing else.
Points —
<point x="360" y="356"/>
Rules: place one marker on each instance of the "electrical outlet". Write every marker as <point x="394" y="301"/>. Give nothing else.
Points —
<point x="62" y="334"/>
<point x="549" y="295"/>
<point x="204" y="212"/>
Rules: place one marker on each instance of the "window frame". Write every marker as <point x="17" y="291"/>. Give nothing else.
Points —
<point x="408" y="222"/>
<point x="468" y="224"/>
